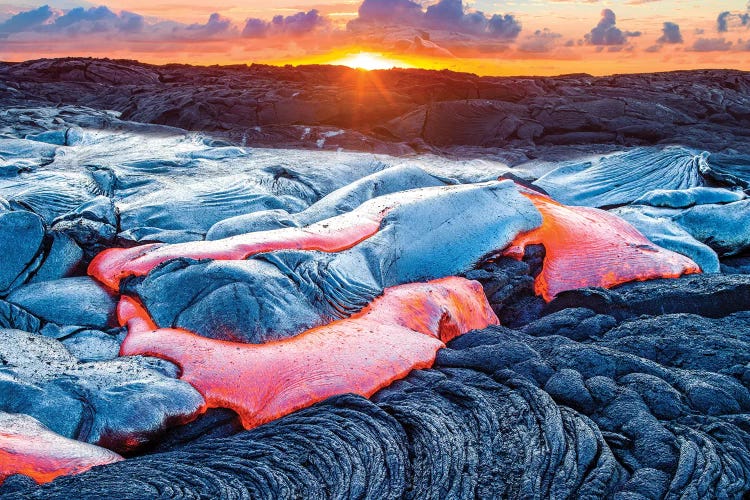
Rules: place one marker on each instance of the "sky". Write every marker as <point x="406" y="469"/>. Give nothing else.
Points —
<point x="517" y="37"/>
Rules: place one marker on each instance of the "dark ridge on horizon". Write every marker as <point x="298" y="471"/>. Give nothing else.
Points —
<point x="254" y="65"/>
<point x="402" y="111"/>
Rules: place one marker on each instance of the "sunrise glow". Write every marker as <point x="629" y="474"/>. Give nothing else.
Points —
<point x="519" y="38"/>
<point x="370" y="61"/>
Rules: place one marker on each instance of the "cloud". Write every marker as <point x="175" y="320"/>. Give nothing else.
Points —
<point x="256" y="28"/>
<point x="390" y="11"/>
<point x="606" y="33"/>
<point x="48" y="22"/>
<point x="216" y="25"/>
<point x="446" y="29"/>
<point x="670" y="33"/>
<point x="541" y="41"/>
<point x="44" y="24"/>
<point x="295" y="25"/>
<point x="726" y="18"/>
<point x="445" y="15"/>
<point x="299" y="23"/>
<point x="81" y="15"/>
<point x="722" y="22"/>
<point x="711" y="45"/>
<point x="505" y="27"/>
<point x="27" y="20"/>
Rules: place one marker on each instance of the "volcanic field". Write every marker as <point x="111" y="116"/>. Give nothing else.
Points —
<point x="317" y="282"/>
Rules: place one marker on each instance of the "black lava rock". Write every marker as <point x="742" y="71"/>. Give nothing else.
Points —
<point x="628" y="411"/>
<point x="711" y="295"/>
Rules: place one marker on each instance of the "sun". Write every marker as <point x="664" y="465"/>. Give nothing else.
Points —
<point x="370" y="61"/>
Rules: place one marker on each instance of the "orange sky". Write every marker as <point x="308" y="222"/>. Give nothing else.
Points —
<point x="487" y="37"/>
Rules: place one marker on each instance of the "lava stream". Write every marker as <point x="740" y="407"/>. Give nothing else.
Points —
<point x="398" y="332"/>
<point x="588" y="247"/>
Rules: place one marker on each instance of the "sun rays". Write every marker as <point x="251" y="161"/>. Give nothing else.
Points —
<point x="370" y="61"/>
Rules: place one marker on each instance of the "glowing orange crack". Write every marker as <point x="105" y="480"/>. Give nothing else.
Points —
<point x="588" y="247"/>
<point x="29" y="448"/>
<point x="398" y="332"/>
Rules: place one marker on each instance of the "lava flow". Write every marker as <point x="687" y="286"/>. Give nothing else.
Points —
<point x="333" y="235"/>
<point x="330" y="235"/>
<point x="398" y="332"/>
<point x="587" y="247"/>
<point x="29" y="448"/>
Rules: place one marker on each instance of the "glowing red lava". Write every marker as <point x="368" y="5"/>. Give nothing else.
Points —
<point x="587" y="247"/>
<point x="334" y="235"/>
<point x="29" y="448"/>
<point x="398" y="332"/>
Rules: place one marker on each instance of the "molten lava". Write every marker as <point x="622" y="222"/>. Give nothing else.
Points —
<point x="332" y="235"/>
<point x="29" y="448"/>
<point x="587" y="247"/>
<point x="398" y="332"/>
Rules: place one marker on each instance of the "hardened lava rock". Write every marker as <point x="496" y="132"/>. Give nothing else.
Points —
<point x="574" y="405"/>
<point x="117" y="403"/>
<point x="711" y="295"/>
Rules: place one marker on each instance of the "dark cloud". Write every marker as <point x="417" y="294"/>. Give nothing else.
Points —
<point x="216" y="25"/>
<point x="447" y="15"/>
<point x="47" y="24"/>
<point x="541" y="41"/>
<point x="295" y="25"/>
<point x="722" y="22"/>
<point x="131" y="22"/>
<point x="607" y="33"/>
<point x="95" y="20"/>
<point x="81" y="15"/>
<point x="670" y="33"/>
<point x="389" y="11"/>
<point x="76" y="21"/>
<point x="725" y="18"/>
<point x="299" y="23"/>
<point x="505" y="27"/>
<point x="255" y="28"/>
<point x="27" y="20"/>
<point x="711" y="45"/>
